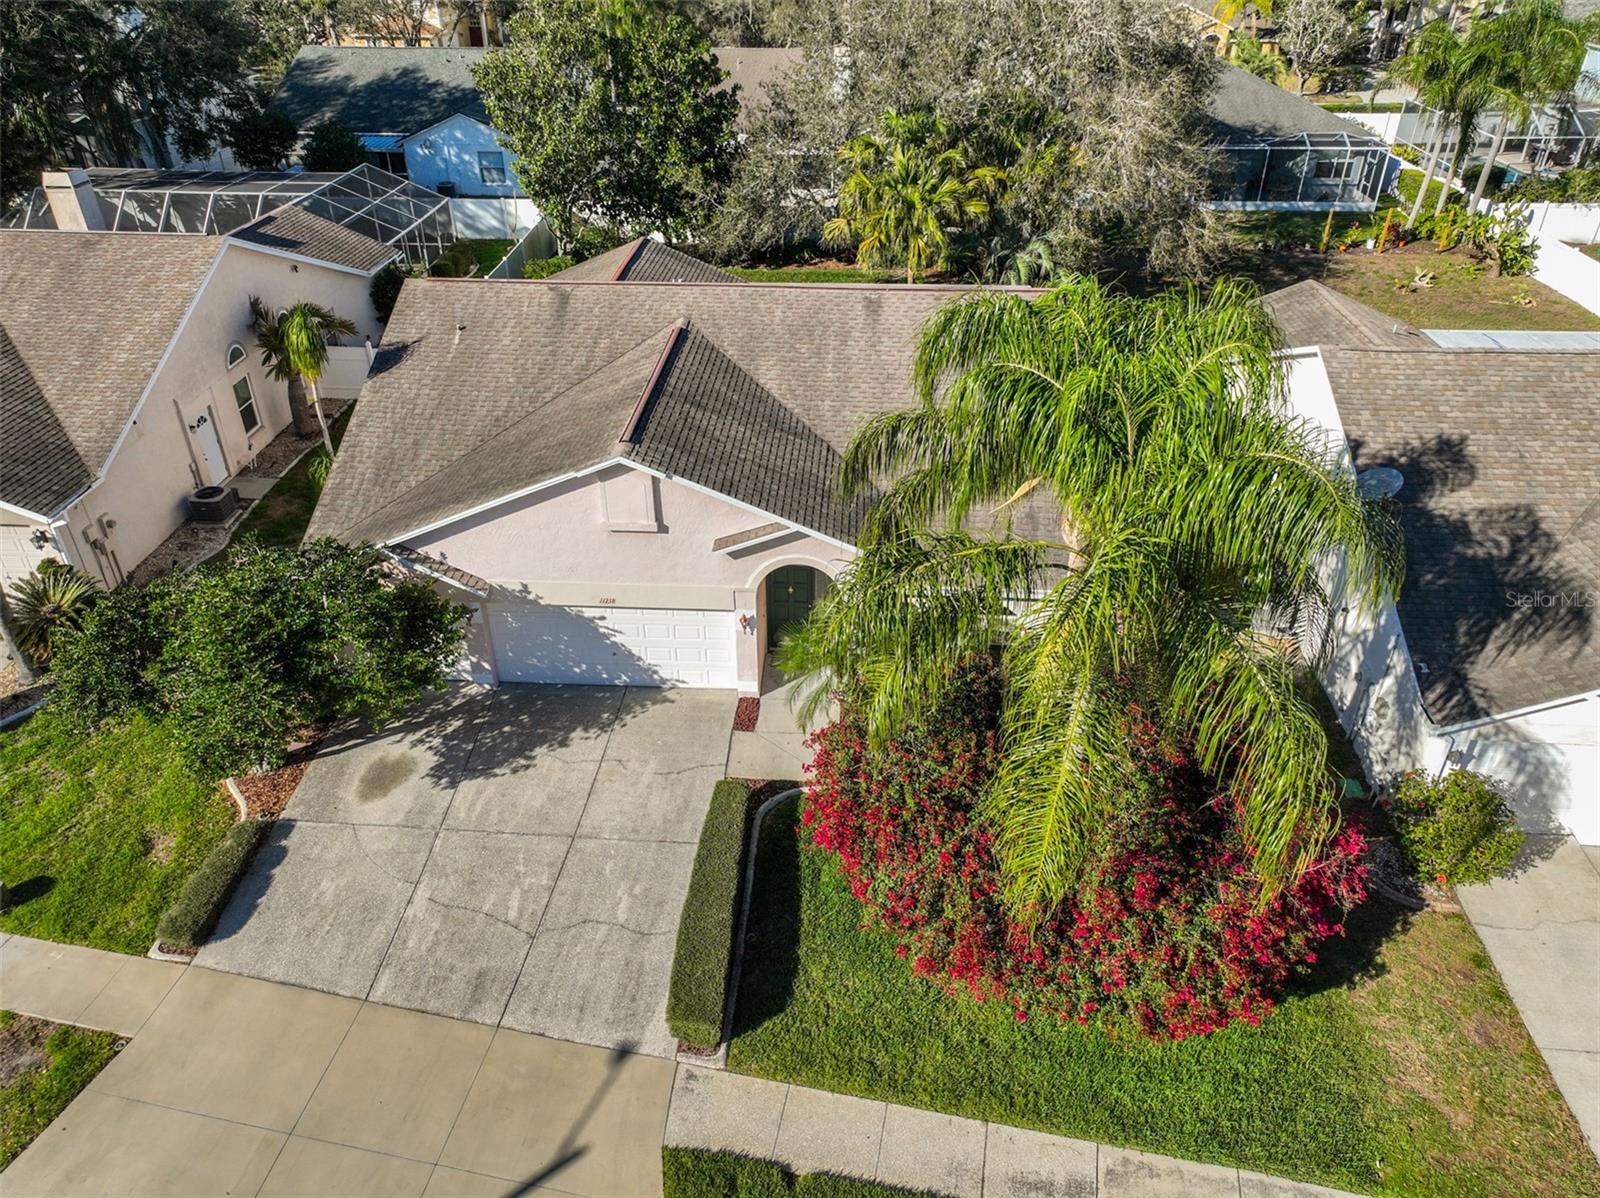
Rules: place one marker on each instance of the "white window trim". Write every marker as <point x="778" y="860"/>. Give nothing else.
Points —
<point x="243" y="354"/>
<point x="255" y="406"/>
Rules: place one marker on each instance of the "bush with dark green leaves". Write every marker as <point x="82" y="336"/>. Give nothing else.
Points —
<point x="1580" y="185"/>
<point x="543" y="268"/>
<point x="698" y="992"/>
<point x="385" y="289"/>
<point x="700" y="1173"/>
<point x="238" y="655"/>
<point x="332" y="147"/>
<point x="457" y="262"/>
<point x="1457" y="828"/>
<point x="189" y="921"/>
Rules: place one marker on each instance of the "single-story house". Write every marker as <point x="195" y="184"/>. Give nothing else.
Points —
<point x="629" y="481"/>
<point x="129" y="376"/>
<point x="1490" y="660"/>
<point x="419" y="114"/>
<point x="1284" y="153"/>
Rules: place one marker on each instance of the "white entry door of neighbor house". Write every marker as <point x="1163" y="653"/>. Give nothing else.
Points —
<point x="613" y="646"/>
<point x="213" y="464"/>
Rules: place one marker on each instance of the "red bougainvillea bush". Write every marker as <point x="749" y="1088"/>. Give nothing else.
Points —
<point x="1165" y="934"/>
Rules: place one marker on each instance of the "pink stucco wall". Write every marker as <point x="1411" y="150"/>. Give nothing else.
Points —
<point x="560" y="546"/>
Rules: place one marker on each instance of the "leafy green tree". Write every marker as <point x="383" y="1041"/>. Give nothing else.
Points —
<point x="240" y="655"/>
<point x="294" y="349"/>
<point x="909" y="189"/>
<point x="1189" y="505"/>
<point x="151" y="69"/>
<point x="332" y="147"/>
<point x="261" y="139"/>
<point x="611" y="110"/>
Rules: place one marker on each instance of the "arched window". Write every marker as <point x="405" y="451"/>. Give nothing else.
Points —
<point x="235" y="355"/>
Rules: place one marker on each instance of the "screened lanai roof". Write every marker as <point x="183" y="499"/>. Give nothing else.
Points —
<point x="365" y="200"/>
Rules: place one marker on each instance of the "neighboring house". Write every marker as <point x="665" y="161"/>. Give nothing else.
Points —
<point x="630" y="482"/>
<point x="1284" y="153"/>
<point x="418" y="111"/>
<point x="1491" y="658"/>
<point x="129" y="376"/>
<point x="443" y="23"/>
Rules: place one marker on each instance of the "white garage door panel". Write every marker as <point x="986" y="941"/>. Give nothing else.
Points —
<point x="613" y="646"/>
<point x="18" y="554"/>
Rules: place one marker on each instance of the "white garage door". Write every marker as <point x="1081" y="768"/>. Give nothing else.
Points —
<point x="18" y="554"/>
<point x="613" y="646"/>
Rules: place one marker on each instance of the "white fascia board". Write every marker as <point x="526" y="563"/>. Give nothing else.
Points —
<point x="546" y="484"/>
<point x="738" y="503"/>
<point x="1517" y="713"/>
<point x="501" y="501"/>
<point x="310" y="261"/>
<point x="409" y="137"/>
<point x="36" y="517"/>
<point x="150" y="383"/>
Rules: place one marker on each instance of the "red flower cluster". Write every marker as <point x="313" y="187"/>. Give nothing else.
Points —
<point x="1166" y="933"/>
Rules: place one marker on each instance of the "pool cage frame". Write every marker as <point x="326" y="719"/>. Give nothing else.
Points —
<point x="1321" y="171"/>
<point x="365" y="200"/>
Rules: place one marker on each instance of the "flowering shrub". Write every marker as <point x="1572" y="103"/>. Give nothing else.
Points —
<point x="1165" y="934"/>
<point x="1457" y="829"/>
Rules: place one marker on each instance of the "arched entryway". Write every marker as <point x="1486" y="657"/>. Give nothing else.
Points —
<point x="787" y="594"/>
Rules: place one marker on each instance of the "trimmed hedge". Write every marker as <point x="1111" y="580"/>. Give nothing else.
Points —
<point x="189" y="920"/>
<point x="698" y="993"/>
<point x="698" y="1173"/>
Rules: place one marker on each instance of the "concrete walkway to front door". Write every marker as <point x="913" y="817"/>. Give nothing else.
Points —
<point x="236" y="1086"/>
<point x="1542" y="929"/>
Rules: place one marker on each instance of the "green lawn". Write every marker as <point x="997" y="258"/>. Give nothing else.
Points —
<point x="283" y="516"/>
<point x="99" y="832"/>
<point x="489" y="251"/>
<point x="1421" y="1064"/>
<point x="696" y="1173"/>
<point x="43" y="1065"/>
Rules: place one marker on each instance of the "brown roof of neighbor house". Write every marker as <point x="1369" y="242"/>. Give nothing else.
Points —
<point x="485" y="388"/>
<point x="1500" y="452"/>
<point x="1311" y="313"/>
<point x="85" y="318"/>
<point x="643" y="260"/>
<point x="293" y="230"/>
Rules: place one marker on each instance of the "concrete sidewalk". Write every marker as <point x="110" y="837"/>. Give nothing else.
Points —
<point x="68" y="984"/>
<point x="813" y="1131"/>
<point x="1542" y="929"/>
<point x="238" y="1086"/>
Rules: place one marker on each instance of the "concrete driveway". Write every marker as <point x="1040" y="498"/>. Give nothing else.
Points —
<point x="515" y="857"/>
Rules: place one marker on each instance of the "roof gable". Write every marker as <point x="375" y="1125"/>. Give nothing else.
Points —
<point x="87" y="318"/>
<point x="1312" y="313"/>
<point x="293" y="230"/>
<point x="643" y="260"/>
<point x="1245" y="108"/>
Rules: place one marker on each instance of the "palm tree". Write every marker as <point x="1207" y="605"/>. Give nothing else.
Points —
<point x="1428" y="66"/>
<point x="1533" y="54"/>
<point x="907" y="191"/>
<point x="294" y="348"/>
<point x="1190" y="505"/>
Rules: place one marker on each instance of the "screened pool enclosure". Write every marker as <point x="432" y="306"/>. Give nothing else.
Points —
<point x="365" y="200"/>
<point x="1311" y="170"/>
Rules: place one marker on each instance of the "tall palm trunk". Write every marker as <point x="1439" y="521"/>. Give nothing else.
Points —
<point x="26" y="674"/>
<point x="322" y="423"/>
<point x="1435" y="146"/>
<point x="1488" y="167"/>
<point x="305" y="423"/>
<point x="1455" y="172"/>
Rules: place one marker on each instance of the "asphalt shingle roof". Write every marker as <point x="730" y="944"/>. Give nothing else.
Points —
<point x="1312" y="313"/>
<point x="1246" y="108"/>
<point x="85" y="318"/>
<point x="294" y="230"/>
<point x="1500" y="451"/>
<point x="643" y="260"/>
<point x="801" y="366"/>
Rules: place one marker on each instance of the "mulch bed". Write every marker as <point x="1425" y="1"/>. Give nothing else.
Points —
<point x="266" y="795"/>
<point x="746" y="714"/>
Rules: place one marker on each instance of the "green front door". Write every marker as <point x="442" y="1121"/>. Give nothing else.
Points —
<point x="790" y="590"/>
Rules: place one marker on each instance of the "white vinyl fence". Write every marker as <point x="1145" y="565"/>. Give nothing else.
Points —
<point x="346" y="371"/>
<point x="537" y="242"/>
<point x="493" y="216"/>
